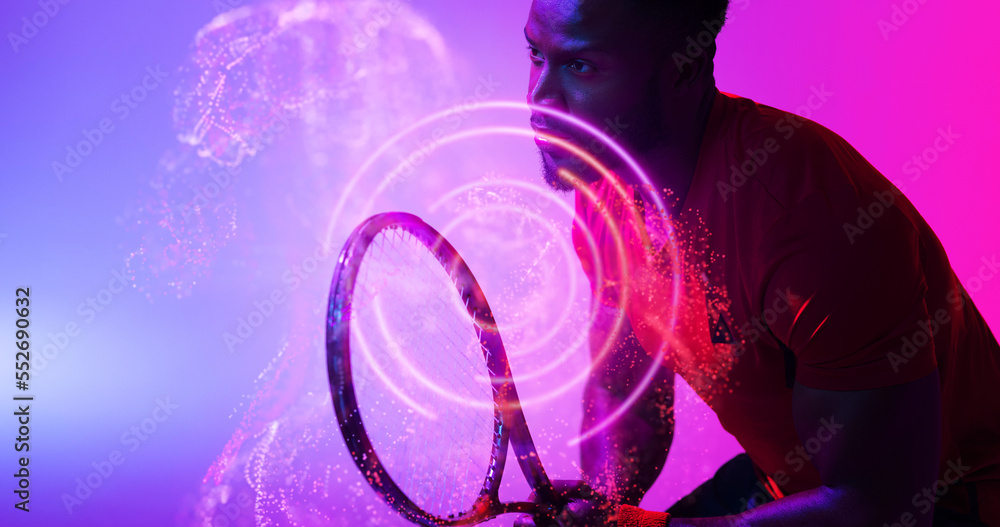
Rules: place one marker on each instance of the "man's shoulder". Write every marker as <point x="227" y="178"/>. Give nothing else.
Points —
<point x="784" y="156"/>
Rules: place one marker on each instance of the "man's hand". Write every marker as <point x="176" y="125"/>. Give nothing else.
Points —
<point x="584" y="507"/>
<point x="623" y="459"/>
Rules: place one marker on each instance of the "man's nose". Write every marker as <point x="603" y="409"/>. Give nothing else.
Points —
<point x="545" y="90"/>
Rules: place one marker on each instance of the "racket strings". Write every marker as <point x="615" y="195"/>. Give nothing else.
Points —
<point x="422" y="382"/>
<point x="451" y="495"/>
<point x="473" y="363"/>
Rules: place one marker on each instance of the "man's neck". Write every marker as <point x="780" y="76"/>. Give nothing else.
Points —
<point x="672" y="168"/>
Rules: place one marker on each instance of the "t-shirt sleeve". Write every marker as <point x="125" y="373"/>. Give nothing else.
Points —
<point x="842" y="286"/>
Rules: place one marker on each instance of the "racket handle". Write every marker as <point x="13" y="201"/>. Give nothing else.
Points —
<point x="537" y="520"/>
<point x="629" y="516"/>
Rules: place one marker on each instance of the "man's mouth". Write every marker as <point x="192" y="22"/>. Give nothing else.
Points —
<point x="547" y="142"/>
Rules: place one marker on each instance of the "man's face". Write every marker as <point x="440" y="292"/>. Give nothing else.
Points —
<point x="587" y="62"/>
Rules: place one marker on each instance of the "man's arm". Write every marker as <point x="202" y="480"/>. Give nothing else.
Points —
<point x="878" y="448"/>
<point x="623" y="460"/>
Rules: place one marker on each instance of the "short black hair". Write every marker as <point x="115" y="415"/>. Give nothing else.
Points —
<point x="672" y="22"/>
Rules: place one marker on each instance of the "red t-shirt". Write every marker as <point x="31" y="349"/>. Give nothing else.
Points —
<point x="801" y="262"/>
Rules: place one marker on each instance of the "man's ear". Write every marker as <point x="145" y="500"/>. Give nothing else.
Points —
<point x="689" y="72"/>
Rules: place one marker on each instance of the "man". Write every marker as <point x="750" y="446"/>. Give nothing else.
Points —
<point x="841" y="352"/>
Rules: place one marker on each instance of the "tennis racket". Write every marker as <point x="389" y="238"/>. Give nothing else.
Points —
<point x="420" y="381"/>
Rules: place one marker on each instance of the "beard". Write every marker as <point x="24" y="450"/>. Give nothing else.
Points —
<point x="577" y="166"/>
<point x="551" y="174"/>
<point x="638" y="131"/>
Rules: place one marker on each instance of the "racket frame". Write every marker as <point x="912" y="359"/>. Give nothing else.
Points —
<point x="509" y="425"/>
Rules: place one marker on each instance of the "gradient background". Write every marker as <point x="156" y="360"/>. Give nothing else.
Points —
<point x="157" y="339"/>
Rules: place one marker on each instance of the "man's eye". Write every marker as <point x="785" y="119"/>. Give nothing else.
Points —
<point x="534" y="55"/>
<point x="581" y="66"/>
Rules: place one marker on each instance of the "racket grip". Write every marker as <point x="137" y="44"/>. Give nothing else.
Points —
<point x="629" y="516"/>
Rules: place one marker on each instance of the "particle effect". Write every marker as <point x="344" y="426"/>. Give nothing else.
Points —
<point x="314" y="82"/>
